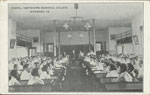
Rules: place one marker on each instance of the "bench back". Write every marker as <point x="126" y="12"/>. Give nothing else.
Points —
<point x="30" y="88"/>
<point x="108" y="79"/>
<point x="124" y="86"/>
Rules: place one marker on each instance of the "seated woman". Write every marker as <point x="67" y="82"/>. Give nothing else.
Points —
<point x="14" y="78"/>
<point x="44" y="74"/>
<point x="118" y="66"/>
<point x="113" y="71"/>
<point x="25" y="75"/>
<point x="100" y="65"/>
<point x="35" y="78"/>
<point x="140" y="71"/>
<point x="131" y="70"/>
<point x="105" y="66"/>
<point x="124" y="76"/>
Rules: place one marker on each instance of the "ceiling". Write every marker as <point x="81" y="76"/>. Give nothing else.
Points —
<point x="105" y="14"/>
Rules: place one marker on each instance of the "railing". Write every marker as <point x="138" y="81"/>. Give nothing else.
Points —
<point x="23" y="40"/>
<point x="124" y="35"/>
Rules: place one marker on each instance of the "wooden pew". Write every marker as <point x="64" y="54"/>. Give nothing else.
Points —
<point x="47" y="87"/>
<point x="108" y="79"/>
<point x="23" y="82"/>
<point x="99" y="75"/>
<point x="30" y="88"/>
<point x="46" y="81"/>
<point x="124" y="86"/>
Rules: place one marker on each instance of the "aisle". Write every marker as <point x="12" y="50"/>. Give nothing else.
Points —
<point x="76" y="80"/>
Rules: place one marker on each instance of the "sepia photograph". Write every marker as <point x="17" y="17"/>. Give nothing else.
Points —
<point x="76" y="47"/>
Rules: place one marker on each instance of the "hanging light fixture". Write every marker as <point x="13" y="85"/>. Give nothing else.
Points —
<point x="66" y="26"/>
<point x="81" y="35"/>
<point x="87" y="26"/>
<point x="69" y="36"/>
<point x="76" y="22"/>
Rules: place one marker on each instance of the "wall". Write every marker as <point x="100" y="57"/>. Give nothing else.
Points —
<point x="115" y="30"/>
<point x="17" y="51"/>
<point x="11" y="35"/>
<point x="33" y="33"/>
<point x="21" y="51"/>
<point x="128" y="48"/>
<point x="102" y="36"/>
<point x="47" y="37"/>
<point x="138" y="21"/>
<point x="75" y="39"/>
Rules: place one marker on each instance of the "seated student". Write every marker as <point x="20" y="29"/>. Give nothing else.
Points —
<point x="51" y="67"/>
<point x="105" y="66"/>
<point x="131" y="69"/>
<point x="25" y="75"/>
<point x="10" y="65"/>
<point x="20" y="65"/>
<point x="35" y="78"/>
<point x="44" y="74"/>
<point x="118" y="66"/>
<point x="13" y="78"/>
<point x="100" y="65"/>
<point x="15" y="68"/>
<point x="124" y="76"/>
<point x="113" y="71"/>
<point x="81" y="54"/>
<point x="92" y="62"/>
<point x="140" y="71"/>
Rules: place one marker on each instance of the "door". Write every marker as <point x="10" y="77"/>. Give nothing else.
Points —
<point x="50" y="50"/>
<point x="32" y="51"/>
<point x="98" y="48"/>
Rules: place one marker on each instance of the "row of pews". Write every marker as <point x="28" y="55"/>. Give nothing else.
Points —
<point x="50" y="85"/>
<point x="110" y="84"/>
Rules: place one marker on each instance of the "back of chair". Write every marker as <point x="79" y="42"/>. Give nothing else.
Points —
<point x="30" y="88"/>
<point x="124" y="86"/>
<point x="108" y="79"/>
<point x="23" y="82"/>
<point x="100" y="75"/>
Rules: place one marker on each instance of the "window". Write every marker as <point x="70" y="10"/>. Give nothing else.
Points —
<point x="35" y="39"/>
<point x="32" y="51"/>
<point x="98" y="46"/>
<point x="50" y="48"/>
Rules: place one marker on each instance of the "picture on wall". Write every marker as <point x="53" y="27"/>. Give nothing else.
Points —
<point x="112" y="37"/>
<point x="35" y="39"/>
<point x="12" y="43"/>
<point x="136" y="40"/>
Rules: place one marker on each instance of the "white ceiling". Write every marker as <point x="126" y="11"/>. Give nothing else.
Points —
<point x="106" y="14"/>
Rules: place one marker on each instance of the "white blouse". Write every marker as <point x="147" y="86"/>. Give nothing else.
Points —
<point x="13" y="81"/>
<point x="35" y="80"/>
<point x="44" y="75"/>
<point x="112" y="73"/>
<point x="25" y="75"/>
<point x="126" y="76"/>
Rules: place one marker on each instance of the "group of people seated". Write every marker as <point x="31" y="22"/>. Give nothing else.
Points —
<point x="34" y="69"/>
<point x="127" y="68"/>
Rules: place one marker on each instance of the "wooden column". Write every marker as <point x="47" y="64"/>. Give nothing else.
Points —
<point x="94" y="36"/>
<point x="54" y="37"/>
<point x="89" y="39"/>
<point x="132" y="41"/>
<point x="59" y="42"/>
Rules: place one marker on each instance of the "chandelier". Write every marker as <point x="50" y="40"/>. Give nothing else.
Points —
<point x="76" y="23"/>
